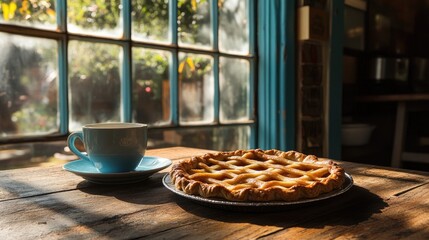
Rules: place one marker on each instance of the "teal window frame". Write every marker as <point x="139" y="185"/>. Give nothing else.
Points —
<point x="62" y="36"/>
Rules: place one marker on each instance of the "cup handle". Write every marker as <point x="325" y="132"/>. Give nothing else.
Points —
<point x="70" y="142"/>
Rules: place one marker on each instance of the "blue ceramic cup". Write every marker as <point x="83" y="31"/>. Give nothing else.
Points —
<point x="111" y="147"/>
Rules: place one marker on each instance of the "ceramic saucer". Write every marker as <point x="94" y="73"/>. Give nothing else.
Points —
<point x="147" y="167"/>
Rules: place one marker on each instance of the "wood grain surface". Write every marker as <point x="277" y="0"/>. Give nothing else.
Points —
<point x="51" y="203"/>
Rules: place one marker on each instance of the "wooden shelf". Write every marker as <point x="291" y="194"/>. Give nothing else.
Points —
<point x="415" y="157"/>
<point x="394" y="98"/>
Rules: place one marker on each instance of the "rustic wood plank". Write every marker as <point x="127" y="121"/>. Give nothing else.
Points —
<point x="91" y="211"/>
<point x="14" y="183"/>
<point x="405" y="217"/>
<point x="408" y="214"/>
<point x="312" y="216"/>
<point x="384" y="181"/>
<point x="140" y="210"/>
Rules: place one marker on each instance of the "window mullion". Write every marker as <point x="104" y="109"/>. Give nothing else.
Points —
<point x="252" y="93"/>
<point x="61" y="9"/>
<point x="174" y="84"/>
<point x="63" y="86"/>
<point x="173" y="21"/>
<point x="215" y="45"/>
<point x="126" y="16"/>
<point x="252" y="48"/>
<point x="216" y="100"/>
<point x="215" y="25"/>
<point x="126" y="86"/>
<point x="174" y="89"/>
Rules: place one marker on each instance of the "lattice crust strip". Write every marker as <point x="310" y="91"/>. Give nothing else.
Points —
<point x="257" y="175"/>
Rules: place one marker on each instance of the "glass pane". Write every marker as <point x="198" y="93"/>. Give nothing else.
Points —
<point x="94" y="83"/>
<point x="95" y="17"/>
<point x="28" y="85"/>
<point x="194" y="23"/>
<point x="234" y="86"/>
<point x="233" y="26"/>
<point x="354" y="28"/>
<point x="196" y="88"/>
<point x="39" y="14"/>
<point x="150" y="20"/>
<point x="151" y="86"/>
<point x="216" y="138"/>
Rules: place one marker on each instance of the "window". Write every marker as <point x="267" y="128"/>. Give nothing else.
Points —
<point x="185" y="67"/>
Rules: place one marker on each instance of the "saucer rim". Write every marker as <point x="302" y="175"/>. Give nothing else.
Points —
<point x="168" y="162"/>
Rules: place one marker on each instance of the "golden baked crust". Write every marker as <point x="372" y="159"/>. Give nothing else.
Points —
<point x="257" y="175"/>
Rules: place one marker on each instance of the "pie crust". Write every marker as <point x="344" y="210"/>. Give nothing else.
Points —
<point x="257" y="175"/>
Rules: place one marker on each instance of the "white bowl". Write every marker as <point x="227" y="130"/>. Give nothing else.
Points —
<point x="356" y="134"/>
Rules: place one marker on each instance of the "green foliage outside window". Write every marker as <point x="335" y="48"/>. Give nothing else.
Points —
<point x="94" y="14"/>
<point x="190" y="20"/>
<point x="150" y="19"/>
<point x="28" y="10"/>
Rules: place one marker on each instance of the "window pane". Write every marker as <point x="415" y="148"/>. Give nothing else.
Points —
<point x="150" y="20"/>
<point x="216" y="138"/>
<point x="39" y="14"/>
<point x="194" y="23"/>
<point x="233" y="26"/>
<point x="94" y="83"/>
<point x="354" y="28"/>
<point x="28" y="85"/>
<point x="151" y="86"/>
<point x="95" y="17"/>
<point x="196" y="88"/>
<point x="234" y="89"/>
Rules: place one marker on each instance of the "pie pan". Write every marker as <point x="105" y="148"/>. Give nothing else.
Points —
<point x="256" y="206"/>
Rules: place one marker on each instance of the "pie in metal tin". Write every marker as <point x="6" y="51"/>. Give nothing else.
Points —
<point x="257" y="176"/>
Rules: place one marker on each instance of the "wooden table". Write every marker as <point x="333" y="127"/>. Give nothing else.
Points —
<point x="50" y="203"/>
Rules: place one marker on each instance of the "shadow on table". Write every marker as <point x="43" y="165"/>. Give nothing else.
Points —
<point x="350" y="208"/>
<point x="149" y="191"/>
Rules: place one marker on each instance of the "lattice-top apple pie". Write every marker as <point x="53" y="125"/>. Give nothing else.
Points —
<point x="257" y="175"/>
